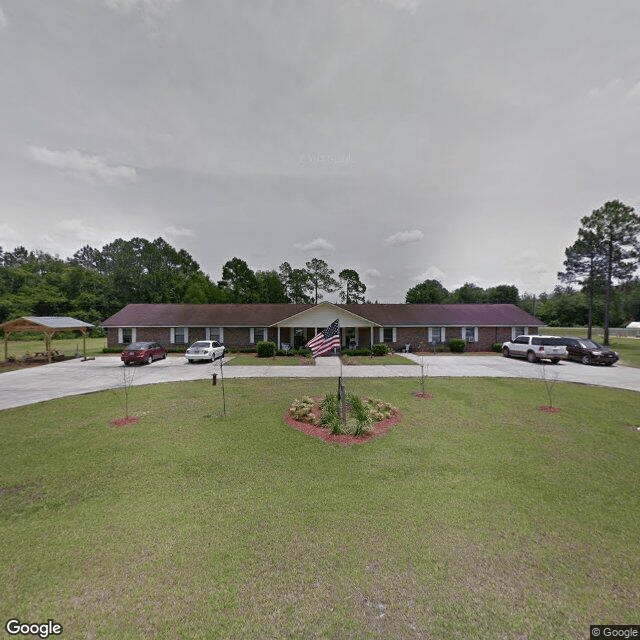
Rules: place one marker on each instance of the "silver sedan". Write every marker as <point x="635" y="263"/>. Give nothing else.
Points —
<point x="208" y="350"/>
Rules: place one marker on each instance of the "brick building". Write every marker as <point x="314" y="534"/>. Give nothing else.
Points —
<point x="244" y="325"/>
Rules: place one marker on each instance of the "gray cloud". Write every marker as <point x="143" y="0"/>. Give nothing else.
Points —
<point x="92" y="169"/>
<point x="319" y="245"/>
<point x="404" y="237"/>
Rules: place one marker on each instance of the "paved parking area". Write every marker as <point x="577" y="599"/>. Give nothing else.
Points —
<point x="73" y="377"/>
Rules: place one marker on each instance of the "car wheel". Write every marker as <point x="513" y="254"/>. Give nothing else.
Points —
<point x="164" y="355"/>
<point x="505" y="352"/>
<point x="586" y="359"/>
<point x="555" y="360"/>
<point x="189" y="360"/>
<point x="531" y="357"/>
<point x="150" y="360"/>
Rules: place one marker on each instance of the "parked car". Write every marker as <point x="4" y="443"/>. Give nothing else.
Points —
<point x="589" y="352"/>
<point x="204" y="350"/>
<point x="535" y="348"/>
<point x="139" y="352"/>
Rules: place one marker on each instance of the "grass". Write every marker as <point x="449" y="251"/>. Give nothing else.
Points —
<point x="391" y="358"/>
<point x="251" y="359"/>
<point x="476" y="516"/>
<point x="68" y="346"/>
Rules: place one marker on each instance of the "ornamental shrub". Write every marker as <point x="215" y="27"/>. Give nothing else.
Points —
<point x="360" y="413"/>
<point x="456" y="345"/>
<point x="356" y="352"/>
<point x="380" y="349"/>
<point x="497" y="347"/>
<point x="266" y="349"/>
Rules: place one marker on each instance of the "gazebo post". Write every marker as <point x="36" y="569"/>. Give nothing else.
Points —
<point x="84" y="344"/>
<point x="47" y="344"/>
<point x="6" y="345"/>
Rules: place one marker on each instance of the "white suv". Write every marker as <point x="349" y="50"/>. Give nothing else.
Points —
<point x="204" y="350"/>
<point x="535" y="348"/>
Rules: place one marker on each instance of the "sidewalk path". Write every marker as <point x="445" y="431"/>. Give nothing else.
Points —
<point x="73" y="377"/>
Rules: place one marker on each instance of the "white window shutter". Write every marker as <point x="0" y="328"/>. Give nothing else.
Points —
<point x="172" y="335"/>
<point x="252" y="337"/>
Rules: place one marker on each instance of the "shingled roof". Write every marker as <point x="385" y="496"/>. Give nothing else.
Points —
<point x="265" y="315"/>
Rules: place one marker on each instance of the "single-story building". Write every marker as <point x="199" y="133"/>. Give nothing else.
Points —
<point x="244" y="325"/>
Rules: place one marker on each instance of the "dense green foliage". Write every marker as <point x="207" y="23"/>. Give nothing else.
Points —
<point x="266" y="349"/>
<point x="456" y="345"/>
<point x="95" y="283"/>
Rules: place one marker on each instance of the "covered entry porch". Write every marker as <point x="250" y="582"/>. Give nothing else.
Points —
<point x="298" y="329"/>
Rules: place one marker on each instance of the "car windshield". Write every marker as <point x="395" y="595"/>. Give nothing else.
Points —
<point x="201" y="345"/>
<point x="589" y="344"/>
<point x="136" y="346"/>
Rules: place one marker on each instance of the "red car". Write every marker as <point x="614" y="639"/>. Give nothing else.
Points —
<point x="139" y="352"/>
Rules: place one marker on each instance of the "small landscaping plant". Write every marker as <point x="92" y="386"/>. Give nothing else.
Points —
<point x="362" y="414"/>
<point x="302" y="410"/>
<point x="456" y="345"/>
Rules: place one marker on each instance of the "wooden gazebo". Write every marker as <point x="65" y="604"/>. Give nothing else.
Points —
<point x="49" y="326"/>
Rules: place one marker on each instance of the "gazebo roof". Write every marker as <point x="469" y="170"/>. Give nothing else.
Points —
<point x="40" y="323"/>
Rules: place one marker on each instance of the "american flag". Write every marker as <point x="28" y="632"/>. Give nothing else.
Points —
<point x="326" y="340"/>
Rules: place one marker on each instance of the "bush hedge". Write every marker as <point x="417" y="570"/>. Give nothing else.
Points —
<point x="266" y="349"/>
<point x="456" y="345"/>
<point x="380" y="349"/>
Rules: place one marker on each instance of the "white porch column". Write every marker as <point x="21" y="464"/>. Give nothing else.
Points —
<point x="278" y="336"/>
<point x="371" y="345"/>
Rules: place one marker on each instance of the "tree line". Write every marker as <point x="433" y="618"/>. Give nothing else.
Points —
<point x="96" y="283"/>
<point x="597" y="286"/>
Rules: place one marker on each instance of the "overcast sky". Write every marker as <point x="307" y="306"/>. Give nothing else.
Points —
<point x="406" y="139"/>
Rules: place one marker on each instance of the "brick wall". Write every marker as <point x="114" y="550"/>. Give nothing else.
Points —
<point x="236" y="337"/>
<point x="420" y="335"/>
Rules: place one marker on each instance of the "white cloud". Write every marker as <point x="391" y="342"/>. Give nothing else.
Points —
<point x="403" y="5"/>
<point x="432" y="273"/>
<point x="3" y="19"/>
<point x="180" y="233"/>
<point x="7" y="234"/>
<point x="373" y="274"/>
<point x="150" y="6"/>
<point x="92" y="169"/>
<point x="404" y="237"/>
<point x="319" y="244"/>
<point x="596" y="92"/>
<point x="635" y="90"/>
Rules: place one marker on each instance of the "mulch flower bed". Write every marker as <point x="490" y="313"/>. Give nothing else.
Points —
<point x="547" y="409"/>
<point x="377" y="428"/>
<point x="424" y="396"/>
<point x="121" y="422"/>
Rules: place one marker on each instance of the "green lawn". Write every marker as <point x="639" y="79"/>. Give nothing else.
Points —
<point x="391" y="358"/>
<point x="477" y="516"/>
<point x="251" y="359"/>
<point x="68" y="346"/>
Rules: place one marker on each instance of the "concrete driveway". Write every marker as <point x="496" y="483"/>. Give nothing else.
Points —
<point x="73" y="377"/>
